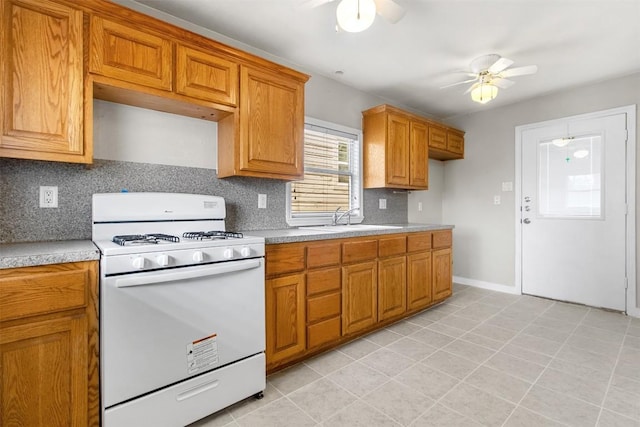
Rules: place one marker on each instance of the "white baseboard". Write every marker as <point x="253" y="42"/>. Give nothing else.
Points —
<point x="486" y="285"/>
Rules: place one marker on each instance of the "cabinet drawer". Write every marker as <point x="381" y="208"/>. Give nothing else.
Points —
<point x="128" y="54"/>
<point x="284" y="259"/>
<point x="392" y="246"/>
<point x="41" y="290"/>
<point x="323" y="332"/>
<point x="360" y="250"/>
<point x="319" y="308"/>
<point x="437" y="137"/>
<point x="417" y="242"/>
<point x="441" y="239"/>
<point x="322" y="281"/>
<point x="323" y="255"/>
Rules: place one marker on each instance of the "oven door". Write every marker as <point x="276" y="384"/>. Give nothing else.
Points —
<point x="161" y="327"/>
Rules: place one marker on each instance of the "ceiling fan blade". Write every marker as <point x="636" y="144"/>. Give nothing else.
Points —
<point x="499" y="65"/>
<point x="502" y="83"/>
<point x="458" y="83"/>
<point x="389" y="10"/>
<point x="520" y="71"/>
<point x="310" y="4"/>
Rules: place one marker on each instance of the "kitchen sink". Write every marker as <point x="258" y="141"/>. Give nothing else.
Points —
<point x="347" y="228"/>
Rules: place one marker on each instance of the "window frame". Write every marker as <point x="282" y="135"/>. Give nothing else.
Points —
<point x="306" y="219"/>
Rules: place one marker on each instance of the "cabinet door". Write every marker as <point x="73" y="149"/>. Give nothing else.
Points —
<point x="397" y="151"/>
<point x="205" y="76"/>
<point x="392" y="287"/>
<point x="359" y="296"/>
<point x="455" y="143"/>
<point x="437" y="138"/>
<point x="128" y="54"/>
<point x="271" y="125"/>
<point x="419" y="156"/>
<point x="285" y="322"/>
<point x="43" y="371"/>
<point x="42" y="81"/>
<point x="442" y="279"/>
<point x="419" y="293"/>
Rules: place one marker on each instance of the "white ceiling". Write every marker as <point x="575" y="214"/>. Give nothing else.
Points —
<point x="572" y="42"/>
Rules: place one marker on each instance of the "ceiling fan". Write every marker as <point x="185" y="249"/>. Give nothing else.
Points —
<point x="357" y="15"/>
<point x="490" y="72"/>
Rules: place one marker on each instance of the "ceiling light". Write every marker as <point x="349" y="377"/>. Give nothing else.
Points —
<point x="355" y="15"/>
<point x="483" y="92"/>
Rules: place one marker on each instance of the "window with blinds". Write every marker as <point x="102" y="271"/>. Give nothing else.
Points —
<point x="331" y="173"/>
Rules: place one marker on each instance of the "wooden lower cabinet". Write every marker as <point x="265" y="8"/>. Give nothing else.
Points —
<point x="285" y="319"/>
<point x="392" y="287"/>
<point x="359" y="296"/>
<point x="419" y="284"/>
<point x="442" y="279"/>
<point x="49" y="346"/>
<point x="320" y="294"/>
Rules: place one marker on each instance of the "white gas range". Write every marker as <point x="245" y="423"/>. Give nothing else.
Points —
<point x="182" y="309"/>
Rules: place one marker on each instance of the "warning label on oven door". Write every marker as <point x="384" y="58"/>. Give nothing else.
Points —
<point x="202" y="354"/>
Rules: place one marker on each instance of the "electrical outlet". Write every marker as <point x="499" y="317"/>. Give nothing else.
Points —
<point x="382" y="203"/>
<point x="496" y="200"/>
<point x="419" y="206"/>
<point x="262" y="201"/>
<point x="48" y="197"/>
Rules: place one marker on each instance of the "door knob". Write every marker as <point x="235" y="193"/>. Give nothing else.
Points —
<point x="526" y="221"/>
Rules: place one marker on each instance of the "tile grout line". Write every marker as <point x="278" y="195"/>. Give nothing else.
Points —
<point x="613" y="372"/>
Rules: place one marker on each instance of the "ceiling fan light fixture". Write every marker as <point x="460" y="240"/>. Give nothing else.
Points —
<point x="355" y="15"/>
<point x="484" y="92"/>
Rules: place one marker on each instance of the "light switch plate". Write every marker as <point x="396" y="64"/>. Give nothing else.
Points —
<point x="507" y="186"/>
<point x="262" y="201"/>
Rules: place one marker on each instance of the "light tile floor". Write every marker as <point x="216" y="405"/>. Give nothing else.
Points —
<point x="480" y="358"/>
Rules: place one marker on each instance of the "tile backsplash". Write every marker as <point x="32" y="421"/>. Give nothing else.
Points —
<point x="22" y="220"/>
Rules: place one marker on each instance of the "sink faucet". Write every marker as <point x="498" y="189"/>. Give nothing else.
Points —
<point x="337" y="217"/>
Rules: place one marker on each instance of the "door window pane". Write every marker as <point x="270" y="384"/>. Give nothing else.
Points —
<point x="570" y="177"/>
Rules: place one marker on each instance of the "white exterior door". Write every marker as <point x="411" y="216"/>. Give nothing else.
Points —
<point x="573" y="210"/>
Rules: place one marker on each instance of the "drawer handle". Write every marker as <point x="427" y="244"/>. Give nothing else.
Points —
<point x="200" y="388"/>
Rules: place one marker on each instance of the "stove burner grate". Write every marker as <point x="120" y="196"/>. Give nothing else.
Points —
<point x="143" y="239"/>
<point x="211" y="235"/>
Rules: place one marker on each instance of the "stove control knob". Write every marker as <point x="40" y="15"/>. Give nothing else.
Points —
<point x="138" y="262"/>
<point x="228" y="253"/>
<point x="163" y="260"/>
<point x="245" y="251"/>
<point x="198" y="256"/>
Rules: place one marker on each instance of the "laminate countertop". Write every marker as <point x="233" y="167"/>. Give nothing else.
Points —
<point x="304" y="234"/>
<point x="28" y="254"/>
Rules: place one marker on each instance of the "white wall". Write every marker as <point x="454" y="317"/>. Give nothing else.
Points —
<point x="484" y="237"/>
<point x="431" y="199"/>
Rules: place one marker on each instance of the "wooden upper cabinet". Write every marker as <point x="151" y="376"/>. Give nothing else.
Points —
<point x="129" y="54"/>
<point x="42" y="81"/>
<point x="395" y="149"/>
<point x="445" y="143"/>
<point x="437" y="137"/>
<point x="206" y="76"/>
<point x="455" y="142"/>
<point x="271" y="125"/>
<point x="418" y="155"/>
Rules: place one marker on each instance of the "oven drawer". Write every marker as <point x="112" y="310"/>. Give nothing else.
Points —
<point x="191" y="400"/>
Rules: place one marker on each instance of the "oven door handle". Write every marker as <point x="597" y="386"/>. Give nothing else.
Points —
<point x="173" y="276"/>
